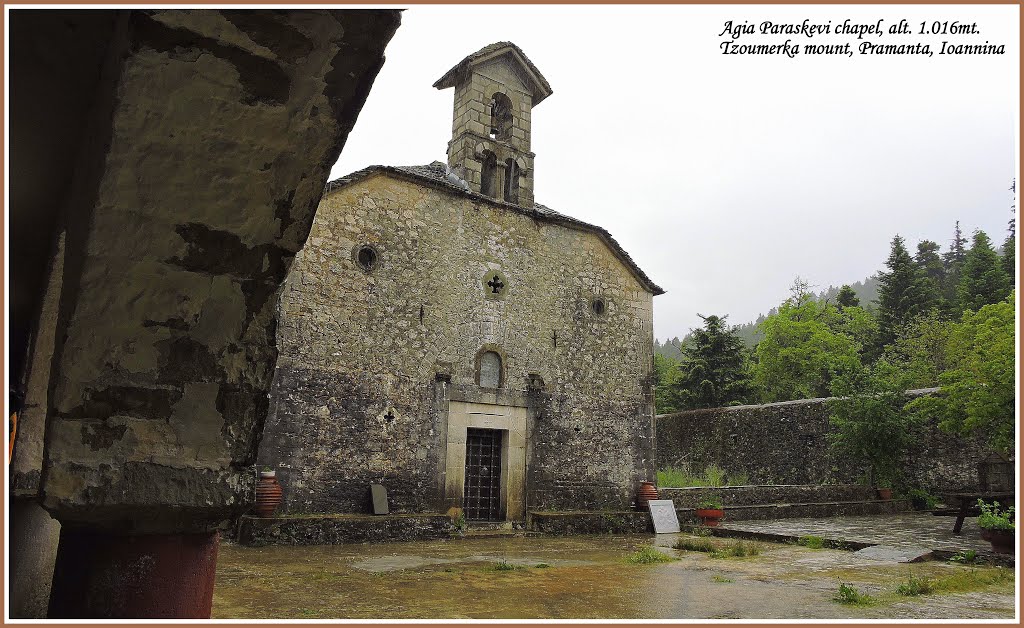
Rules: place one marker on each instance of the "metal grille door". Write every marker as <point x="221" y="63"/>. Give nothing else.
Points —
<point x="483" y="475"/>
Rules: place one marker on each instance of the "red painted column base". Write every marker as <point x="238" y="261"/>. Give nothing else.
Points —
<point x="158" y="576"/>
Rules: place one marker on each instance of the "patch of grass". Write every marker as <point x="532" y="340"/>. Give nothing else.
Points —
<point x="696" y="545"/>
<point x="848" y="594"/>
<point x="914" y="586"/>
<point x="972" y="580"/>
<point x="541" y="566"/>
<point x="503" y="565"/>
<point x="712" y="476"/>
<point x="720" y="579"/>
<point x="965" y="557"/>
<point x="739" y="549"/>
<point x="812" y="542"/>
<point x="649" y="556"/>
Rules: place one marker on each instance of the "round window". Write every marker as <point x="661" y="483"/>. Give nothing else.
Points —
<point x="366" y="257"/>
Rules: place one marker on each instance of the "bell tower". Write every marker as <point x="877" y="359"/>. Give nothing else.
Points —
<point x="496" y="89"/>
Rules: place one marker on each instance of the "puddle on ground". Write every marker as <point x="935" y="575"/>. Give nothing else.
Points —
<point x="567" y="578"/>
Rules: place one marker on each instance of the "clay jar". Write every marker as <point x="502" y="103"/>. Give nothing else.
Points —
<point x="646" y="493"/>
<point x="268" y="494"/>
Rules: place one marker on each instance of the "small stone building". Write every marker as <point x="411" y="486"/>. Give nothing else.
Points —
<point x="444" y="335"/>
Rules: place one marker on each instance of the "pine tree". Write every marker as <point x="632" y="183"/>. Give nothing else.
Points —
<point x="847" y="297"/>
<point x="900" y="293"/>
<point x="1010" y="243"/>
<point x="953" y="261"/>
<point x="714" y="371"/>
<point x="933" y="273"/>
<point x="983" y="279"/>
<point x="1010" y="257"/>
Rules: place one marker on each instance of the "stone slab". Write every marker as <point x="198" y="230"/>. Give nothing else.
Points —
<point x="379" y="495"/>
<point x="888" y="553"/>
<point x="663" y="516"/>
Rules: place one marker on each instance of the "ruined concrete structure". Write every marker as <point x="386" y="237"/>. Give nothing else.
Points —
<point x="444" y="335"/>
<point x="166" y="165"/>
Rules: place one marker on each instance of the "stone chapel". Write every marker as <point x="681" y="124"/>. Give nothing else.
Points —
<point x="444" y="335"/>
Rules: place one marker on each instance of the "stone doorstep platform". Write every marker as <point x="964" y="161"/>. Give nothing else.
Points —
<point x="900" y="530"/>
<point x="344" y="528"/>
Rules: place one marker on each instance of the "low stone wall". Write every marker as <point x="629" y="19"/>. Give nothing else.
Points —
<point x="733" y="496"/>
<point x="589" y="522"/>
<point x="787" y="443"/>
<point x="340" y="529"/>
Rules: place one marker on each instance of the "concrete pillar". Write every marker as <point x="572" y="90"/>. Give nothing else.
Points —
<point x="113" y="576"/>
<point x="202" y="141"/>
<point x="33" y="546"/>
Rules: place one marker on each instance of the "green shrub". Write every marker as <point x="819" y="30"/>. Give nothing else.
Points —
<point x="922" y="500"/>
<point x="649" y="555"/>
<point x="964" y="557"/>
<point x="503" y="565"/>
<point x="813" y="542"/>
<point x="994" y="518"/>
<point x="848" y="594"/>
<point x="710" y="502"/>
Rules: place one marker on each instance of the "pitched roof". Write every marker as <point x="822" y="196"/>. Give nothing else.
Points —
<point x="434" y="174"/>
<point x="541" y="88"/>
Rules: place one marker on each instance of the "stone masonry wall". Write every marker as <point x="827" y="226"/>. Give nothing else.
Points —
<point x="208" y="148"/>
<point x="370" y="360"/>
<point x="787" y="443"/>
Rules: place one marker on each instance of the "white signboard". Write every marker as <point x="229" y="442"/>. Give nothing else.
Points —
<point x="663" y="514"/>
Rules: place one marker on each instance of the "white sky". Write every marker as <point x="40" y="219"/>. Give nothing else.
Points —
<point x="726" y="176"/>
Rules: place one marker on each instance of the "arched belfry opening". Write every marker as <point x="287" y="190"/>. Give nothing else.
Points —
<point x="496" y="89"/>
<point x="501" y="117"/>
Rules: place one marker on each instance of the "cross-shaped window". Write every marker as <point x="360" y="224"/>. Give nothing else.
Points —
<point x="496" y="285"/>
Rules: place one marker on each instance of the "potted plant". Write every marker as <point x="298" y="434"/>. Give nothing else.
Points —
<point x="710" y="511"/>
<point x="997" y="526"/>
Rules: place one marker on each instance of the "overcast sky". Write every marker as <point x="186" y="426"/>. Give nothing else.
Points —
<point x="725" y="176"/>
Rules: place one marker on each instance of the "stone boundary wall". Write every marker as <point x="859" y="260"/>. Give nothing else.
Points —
<point x="787" y="443"/>
<point x="341" y="529"/>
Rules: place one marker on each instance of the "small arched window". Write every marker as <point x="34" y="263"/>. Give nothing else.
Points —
<point x="490" y="370"/>
<point x="501" y="116"/>
<point x="489" y="175"/>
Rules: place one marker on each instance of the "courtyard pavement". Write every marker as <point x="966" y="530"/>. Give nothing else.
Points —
<point x="908" y="530"/>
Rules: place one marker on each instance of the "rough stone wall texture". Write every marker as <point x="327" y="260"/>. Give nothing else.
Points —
<point x="787" y="443"/>
<point x="321" y="530"/>
<point x="214" y="143"/>
<point x="401" y="341"/>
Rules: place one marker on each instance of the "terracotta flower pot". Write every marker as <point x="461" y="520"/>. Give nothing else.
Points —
<point x="646" y="493"/>
<point x="268" y="494"/>
<point x="710" y="516"/>
<point x="884" y="494"/>
<point x="1001" y="540"/>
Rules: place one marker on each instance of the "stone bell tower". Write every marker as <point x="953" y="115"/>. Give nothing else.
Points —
<point x="496" y="89"/>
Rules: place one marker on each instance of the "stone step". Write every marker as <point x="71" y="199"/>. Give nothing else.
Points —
<point x="770" y="494"/>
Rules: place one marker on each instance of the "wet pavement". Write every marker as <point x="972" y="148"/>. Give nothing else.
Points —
<point x="911" y="529"/>
<point x="582" y="577"/>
